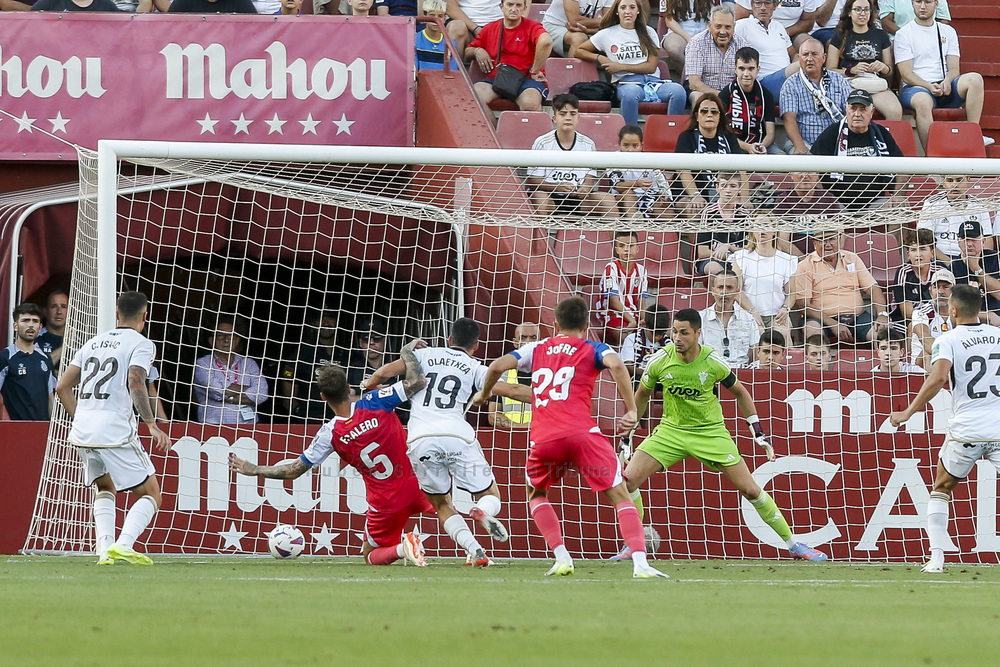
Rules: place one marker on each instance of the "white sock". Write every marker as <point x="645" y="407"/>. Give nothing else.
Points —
<point x="639" y="559"/>
<point x="937" y="525"/>
<point x="459" y="531"/>
<point x="399" y="550"/>
<point x="791" y="541"/>
<point x="136" y="520"/>
<point x="489" y="504"/>
<point x="562" y="554"/>
<point x="104" y="522"/>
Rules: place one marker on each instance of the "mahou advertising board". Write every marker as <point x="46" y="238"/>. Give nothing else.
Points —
<point x="321" y="80"/>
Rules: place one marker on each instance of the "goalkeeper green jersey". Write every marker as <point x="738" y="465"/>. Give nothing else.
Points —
<point x="690" y="398"/>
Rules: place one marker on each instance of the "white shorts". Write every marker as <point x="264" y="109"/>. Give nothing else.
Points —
<point x="129" y="465"/>
<point x="439" y="459"/>
<point x="558" y="34"/>
<point x="958" y="458"/>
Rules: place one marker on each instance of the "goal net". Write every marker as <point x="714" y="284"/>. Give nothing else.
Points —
<point x="264" y="262"/>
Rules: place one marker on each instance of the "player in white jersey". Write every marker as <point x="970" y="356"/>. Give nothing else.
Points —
<point x="442" y="445"/>
<point x="114" y="367"/>
<point x="968" y="355"/>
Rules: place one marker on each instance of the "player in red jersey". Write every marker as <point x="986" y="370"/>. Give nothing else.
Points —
<point x="368" y="436"/>
<point x="564" y="369"/>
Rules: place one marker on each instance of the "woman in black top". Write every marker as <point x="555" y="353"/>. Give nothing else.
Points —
<point x="860" y="51"/>
<point x="708" y="132"/>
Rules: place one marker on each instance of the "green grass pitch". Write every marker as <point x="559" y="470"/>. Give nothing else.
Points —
<point x="326" y="611"/>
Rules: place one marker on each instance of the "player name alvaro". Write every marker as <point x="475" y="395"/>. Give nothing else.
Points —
<point x="979" y="340"/>
<point x="361" y="428"/>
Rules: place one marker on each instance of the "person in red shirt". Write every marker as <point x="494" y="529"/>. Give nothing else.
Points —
<point x="368" y="436"/>
<point x="516" y="41"/>
<point x="564" y="434"/>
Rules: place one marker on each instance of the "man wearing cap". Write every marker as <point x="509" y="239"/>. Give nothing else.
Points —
<point x="368" y="355"/>
<point x="857" y="135"/>
<point x="931" y="318"/>
<point x="944" y="212"/>
<point x="979" y="266"/>
<point x="812" y="98"/>
<point x="829" y="283"/>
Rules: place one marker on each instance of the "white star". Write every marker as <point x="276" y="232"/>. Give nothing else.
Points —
<point x="309" y="125"/>
<point x="24" y="123"/>
<point x="233" y="537"/>
<point x="242" y="124"/>
<point x="207" y="124"/>
<point x="324" y="539"/>
<point x="59" y="123"/>
<point x="343" y="125"/>
<point x="275" y="125"/>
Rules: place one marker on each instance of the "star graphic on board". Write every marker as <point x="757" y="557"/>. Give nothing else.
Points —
<point x="25" y="123"/>
<point x="275" y="125"/>
<point x="343" y="125"/>
<point x="309" y="125"/>
<point x="324" y="539"/>
<point x="233" y="537"/>
<point x="59" y="123"/>
<point x="242" y="124"/>
<point x="207" y="124"/>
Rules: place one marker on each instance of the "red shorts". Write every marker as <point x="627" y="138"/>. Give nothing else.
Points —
<point x="590" y="454"/>
<point x="383" y="529"/>
<point x="614" y="320"/>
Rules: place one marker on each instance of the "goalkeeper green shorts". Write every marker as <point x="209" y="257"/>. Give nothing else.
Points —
<point x="713" y="446"/>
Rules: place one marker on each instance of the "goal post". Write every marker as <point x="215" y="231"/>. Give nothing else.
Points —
<point x="310" y="247"/>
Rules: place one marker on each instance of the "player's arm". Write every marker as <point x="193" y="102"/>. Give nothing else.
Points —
<point x="70" y="378"/>
<point x="414" y="380"/>
<point x="642" y="396"/>
<point x="292" y="470"/>
<point x="624" y="381"/>
<point x="383" y="373"/>
<point x="517" y="392"/>
<point x="156" y="403"/>
<point x="493" y="374"/>
<point x="137" y="386"/>
<point x="745" y="403"/>
<point x="933" y="383"/>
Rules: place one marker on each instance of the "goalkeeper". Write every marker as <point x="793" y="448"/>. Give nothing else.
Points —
<point x="692" y="424"/>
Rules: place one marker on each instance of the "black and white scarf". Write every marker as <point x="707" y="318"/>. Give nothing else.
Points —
<point x="742" y="116"/>
<point x="875" y="132"/>
<point x="819" y="93"/>
<point x="723" y="148"/>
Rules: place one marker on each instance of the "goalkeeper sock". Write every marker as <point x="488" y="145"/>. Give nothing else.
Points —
<point x="771" y="515"/>
<point x="937" y="524"/>
<point x="136" y="521"/>
<point x="384" y="555"/>
<point x="548" y="523"/>
<point x="104" y="522"/>
<point x="489" y="504"/>
<point x="630" y="526"/>
<point x="459" y="531"/>
<point x="636" y="497"/>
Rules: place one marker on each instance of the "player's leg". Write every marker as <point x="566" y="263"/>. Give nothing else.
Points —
<point x="104" y="518"/>
<point x="657" y="452"/>
<point x="630" y="527"/>
<point x="953" y="457"/>
<point x="131" y="470"/>
<point x="544" y="466"/>
<point x="485" y="512"/>
<point x="383" y="544"/>
<point x="472" y="473"/>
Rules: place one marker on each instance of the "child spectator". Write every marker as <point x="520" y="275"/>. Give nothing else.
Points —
<point x="430" y="43"/>
<point x="766" y="273"/>
<point x="624" y="287"/>
<point x="931" y="318"/>
<point x="769" y="351"/>
<point x="912" y="283"/>
<point x="819" y="356"/>
<point x="712" y="249"/>
<point x="360" y="7"/>
<point x="890" y="345"/>
<point x="640" y="345"/>
<point x="944" y="212"/>
<point x="641" y="193"/>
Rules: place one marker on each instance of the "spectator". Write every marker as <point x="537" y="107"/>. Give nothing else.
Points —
<point x="707" y="132"/>
<point x="710" y="56"/>
<point x="682" y="19"/>
<point x="51" y="337"/>
<point x="570" y="23"/>
<point x="640" y="345"/>
<point x="769" y="351"/>
<point x="894" y="14"/>
<point x="818" y="355"/>
<point x="891" y="347"/>
<point x="361" y="7"/>
<point x="14" y="6"/>
<point x="766" y="274"/>
<point x="468" y="17"/>
<point x="930" y="68"/>
<point x="525" y="45"/>
<point x="624" y="287"/>
<point x="827" y="17"/>
<point x="228" y="387"/>
<point x="26" y="379"/>
<point x="829" y="283"/>
<point x="288" y="8"/>
<point x="805" y="200"/>
<point x="945" y="211"/>
<point x="75" y="6"/>
<point x="318" y="349"/>
<point x="400" y="7"/>
<point x="725" y="326"/>
<point x="931" y="318"/>
<point x="566" y="189"/>
<point x="749" y="105"/>
<point x="978" y="266"/>
<point x="912" y="283"/>
<point x="213" y="7"/>
<point x="797" y="17"/>
<point x="626" y="48"/>
<point x="812" y="99"/>
<point x="152" y="382"/>
<point x="772" y="43"/>
<point x="641" y="193"/>
<point x="368" y="355"/>
<point x="857" y="135"/>
<point x="430" y="44"/>
<point x="861" y="51"/>
<point x="712" y="249"/>
<point x="507" y="412"/>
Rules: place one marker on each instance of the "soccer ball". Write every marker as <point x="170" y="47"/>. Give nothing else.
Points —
<point x="652" y="540"/>
<point x="286" y="542"/>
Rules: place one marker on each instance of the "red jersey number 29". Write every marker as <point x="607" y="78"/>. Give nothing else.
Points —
<point x="552" y="385"/>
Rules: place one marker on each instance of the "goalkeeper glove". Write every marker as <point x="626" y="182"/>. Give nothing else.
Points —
<point x="760" y="437"/>
<point x="625" y="448"/>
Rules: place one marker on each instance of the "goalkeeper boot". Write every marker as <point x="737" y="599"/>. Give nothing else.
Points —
<point x="932" y="567"/>
<point x="624" y="554"/>
<point x="491" y="524"/>
<point x="413" y="550"/>
<point x="647" y="572"/>
<point x="131" y="556"/>
<point x="561" y="569"/>
<point x="805" y="552"/>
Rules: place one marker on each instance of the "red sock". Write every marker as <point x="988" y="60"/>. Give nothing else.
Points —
<point x="545" y="518"/>
<point x="630" y="526"/>
<point x="382" y="556"/>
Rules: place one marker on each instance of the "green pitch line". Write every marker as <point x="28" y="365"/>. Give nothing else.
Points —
<point x="251" y="611"/>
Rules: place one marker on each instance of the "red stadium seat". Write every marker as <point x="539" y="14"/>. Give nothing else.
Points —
<point x="583" y="254"/>
<point x="562" y="73"/>
<point x="662" y="132"/>
<point x="602" y="128"/>
<point x="879" y="251"/>
<point x="661" y="256"/>
<point x="902" y="132"/>
<point x="856" y="360"/>
<point x="680" y="298"/>
<point x="519" y="129"/>
<point x="955" y="139"/>
<point x="795" y="357"/>
<point x="535" y="13"/>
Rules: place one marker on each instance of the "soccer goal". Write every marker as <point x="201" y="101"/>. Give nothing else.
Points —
<point x="313" y="254"/>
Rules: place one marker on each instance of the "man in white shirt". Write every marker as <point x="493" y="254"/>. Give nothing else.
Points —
<point x="928" y="59"/>
<point x="777" y="57"/>
<point x="725" y="327"/>
<point x="944" y="212"/>
<point x="796" y="16"/>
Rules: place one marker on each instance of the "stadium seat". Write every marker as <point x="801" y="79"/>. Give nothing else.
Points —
<point x="535" y="12"/>
<point x="519" y="129"/>
<point x="562" y="73"/>
<point x="919" y="188"/>
<point x="879" y="251"/>
<point x="795" y="357"/>
<point x="902" y="132"/>
<point x="662" y="132"/>
<point x="684" y="297"/>
<point x="955" y="139"/>
<point x="583" y="254"/>
<point x="602" y="128"/>
<point x="661" y="256"/>
<point x="856" y="360"/>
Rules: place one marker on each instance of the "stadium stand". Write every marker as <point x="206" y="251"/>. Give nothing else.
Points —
<point x="902" y="132"/>
<point x="562" y="73"/>
<point x="662" y="259"/>
<point x="662" y="131"/>
<point x="879" y="251"/>
<point x="519" y="129"/>
<point x="955" y="139"/>
<point x="583" y="254"/>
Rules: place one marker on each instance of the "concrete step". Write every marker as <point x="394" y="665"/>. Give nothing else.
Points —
<point x="973" y="10"/>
